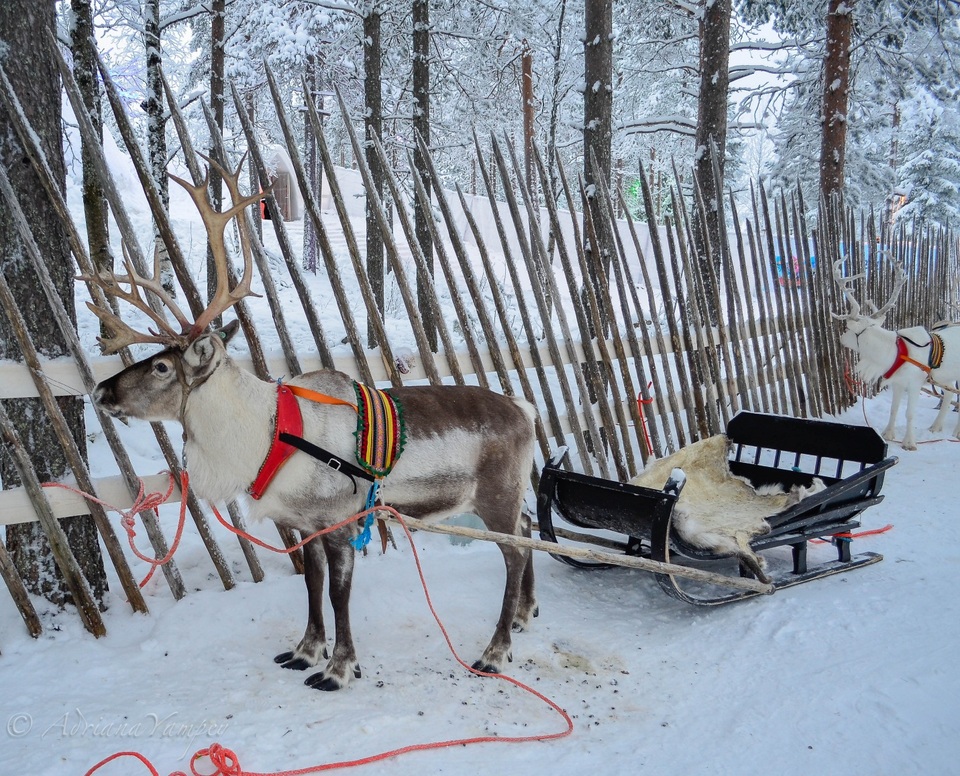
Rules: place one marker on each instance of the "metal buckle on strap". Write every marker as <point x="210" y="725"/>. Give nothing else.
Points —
<point x="335" y="463"/>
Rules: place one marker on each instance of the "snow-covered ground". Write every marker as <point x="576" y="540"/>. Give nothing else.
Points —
<point x="848" y="674"/>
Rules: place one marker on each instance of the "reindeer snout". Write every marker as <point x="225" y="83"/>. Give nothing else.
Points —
<point x="105" y="398"/>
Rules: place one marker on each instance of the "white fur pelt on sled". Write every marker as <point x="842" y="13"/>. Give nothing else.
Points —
<point x="717" y="511"/>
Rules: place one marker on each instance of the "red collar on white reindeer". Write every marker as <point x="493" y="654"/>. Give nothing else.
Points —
<point x="936" y="356"/>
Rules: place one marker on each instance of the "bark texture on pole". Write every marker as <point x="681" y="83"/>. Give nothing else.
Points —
<point x="83" y="47"/>
<point x="34" y="77"/>
<point x="836" y="92"/>
<point x="373" y="124"/>
<point x="714" y="30"/>
<point x="421" y="126"/>
<point x="598" y="123"/>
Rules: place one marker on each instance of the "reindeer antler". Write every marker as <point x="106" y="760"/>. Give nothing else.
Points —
<point x="897" y="286"/>
<point x="119" y="333"/>
<point x="846" y="288"/>
<point x="215" y="223"/>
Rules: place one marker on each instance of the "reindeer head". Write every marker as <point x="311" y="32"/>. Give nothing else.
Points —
<point x="157" y="387"/>
<point x="858" y="323"/>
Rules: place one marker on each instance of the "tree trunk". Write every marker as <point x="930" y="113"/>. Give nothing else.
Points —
<point x="153" y="106"/>
<point x="311" y="247"/>
<point x="37" y="84"/>
<point x="85" y="71"/>
<point x="598" y="125"/>
<point x="712" y="124"/>
<point x="421" y="125"/>
<point x="217" y="65"/>
<point x="373" y="123"/>
<point x="550" y="161"/>
<point x="836" y="90"/>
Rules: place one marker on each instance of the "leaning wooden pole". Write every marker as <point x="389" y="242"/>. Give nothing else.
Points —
<point x="489" y="182"/>
<point x="68" y="328"/>
<point x="628" y="561"/>
<point x="18" y="592"/>
<point x="63" y="433"/>
<point x="59" y="546"/>
<point x="130" y="238"/>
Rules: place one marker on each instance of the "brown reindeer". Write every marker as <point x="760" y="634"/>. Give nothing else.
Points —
<point x="467" y="449"/>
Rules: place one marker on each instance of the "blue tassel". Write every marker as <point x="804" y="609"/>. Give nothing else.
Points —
<point x="364" y="537"/>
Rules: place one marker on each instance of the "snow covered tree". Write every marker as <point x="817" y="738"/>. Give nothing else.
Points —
<point x="420" y="103"/>
<point x="836" y="88"/>
<point x="84" y="49"/>
<point x="36" y="81"/>
<point x="897" y="48"/>
<point x="598" y="125"/>
<point x="711" y="134"/>
<point x="930" y="174"/>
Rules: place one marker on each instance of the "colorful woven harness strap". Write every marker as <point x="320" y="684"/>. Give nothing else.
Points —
<point x="936" y="351"/>
<point x="380" y="430"/>
<point x="380" y="435"/>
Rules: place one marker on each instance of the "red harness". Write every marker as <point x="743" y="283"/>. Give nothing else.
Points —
<point x="288" y="438"/>
<point x="289" y="421"/>
<point x="936" y="356"/>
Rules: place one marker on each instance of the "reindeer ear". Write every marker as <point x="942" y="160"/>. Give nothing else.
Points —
<point x="201" y="351"/>
<point x="227" y="332"/>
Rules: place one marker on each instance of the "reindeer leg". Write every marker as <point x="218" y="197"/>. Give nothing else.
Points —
<point x="343" y="663"/>
<point x="946" y="404"/>
<point x="527" y="607"/>
<point x="890" y="432"/>
<point x="909" y="438"/>
<point x="498" y="651"/>
<point x="313" y="644"/>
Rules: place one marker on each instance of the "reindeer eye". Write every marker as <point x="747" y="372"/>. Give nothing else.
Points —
<point x="161" y="368"/>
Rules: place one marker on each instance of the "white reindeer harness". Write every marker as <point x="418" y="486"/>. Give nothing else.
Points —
<point x="934" y="358"/>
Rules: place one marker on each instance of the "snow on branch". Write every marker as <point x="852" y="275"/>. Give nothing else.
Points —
<point x="676" y="123"/>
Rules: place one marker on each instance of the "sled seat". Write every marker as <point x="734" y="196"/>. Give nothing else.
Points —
<point x="765" y="450"/>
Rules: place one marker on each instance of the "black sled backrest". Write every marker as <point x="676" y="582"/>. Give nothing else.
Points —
<point x="772" y="449"/>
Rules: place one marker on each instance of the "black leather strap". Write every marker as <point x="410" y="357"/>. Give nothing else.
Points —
<point x="325" y="456"/>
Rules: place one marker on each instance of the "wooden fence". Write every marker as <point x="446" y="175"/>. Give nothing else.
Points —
<point x="688" y="342"/>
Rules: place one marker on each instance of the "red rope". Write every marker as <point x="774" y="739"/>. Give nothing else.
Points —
<point x="226" y="761"/>
<point x="857" y="535"/>
<point x="142" y="501"/>
<point x="643" y="420"/>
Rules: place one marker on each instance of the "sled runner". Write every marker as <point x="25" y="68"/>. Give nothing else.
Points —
<point x="841" y="466"/>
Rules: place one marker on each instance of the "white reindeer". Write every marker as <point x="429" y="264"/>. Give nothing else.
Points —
<point x="903" y="359"/>
<point x="467" y="449"/>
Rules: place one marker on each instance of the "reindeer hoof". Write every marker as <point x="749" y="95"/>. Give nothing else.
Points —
<point x="322" y="681"/>
<point x="289" y="660"/>
<point x="489" y="666"/>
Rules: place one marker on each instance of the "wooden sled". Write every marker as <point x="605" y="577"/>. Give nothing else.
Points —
<point x="766" y="450"/>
